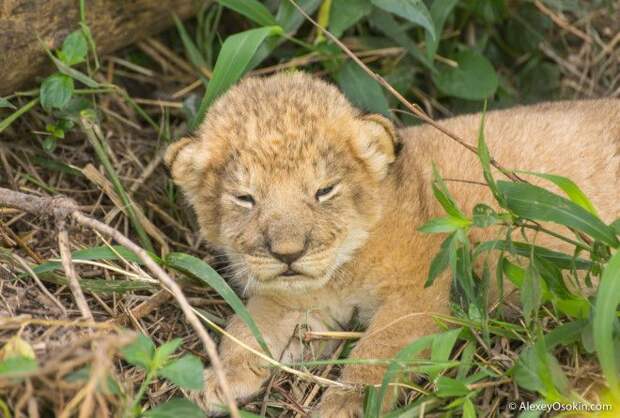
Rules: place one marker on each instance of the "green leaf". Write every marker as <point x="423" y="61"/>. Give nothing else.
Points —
<point x="440" y="261"/>
<point x="232" y="62"/>
<point x="442" y="348"/>
<point x="175" y="408"/>
<point x="116" y="252"/>
<point x="202" y="271"/>
<point x="346" y="13"/>
<point x="485" y="158"/>
<point x="570" y="188"/>
<point x="413" y="10"/>
<point x="252" y="9"/>
<point x="56" y="91"/>
<point x="533" y="202"/>
<point x="441" y="193"/>
<point x="164" y="351"/>
<point x="185" y="372"/>
<point x="604" y="321"/>
<point x="468" y="409"/>
<point x="6" y="122"/>
<point x="17" y="365"/>
<point x="74" y="48"/>
<point x="411" y="351"/>
<point x="448" y="387"/>
<point x="444" y="224"/>
<point x="561" y="260"/>
<point x="531" y="293"/>
<point x="440" y="10"/>
<point x="386" y="23"/>
<point x="4" y="103"/>
<point x="191" y="49"/>
<point x="363" y="91"/>
<point x="484" y="216"/>
<point x="473" y="79"/>
<point x="140" y="352"/>
<point x="73" y="73"/>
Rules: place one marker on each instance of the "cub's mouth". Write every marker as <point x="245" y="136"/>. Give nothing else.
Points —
<point x="290" y="273"/>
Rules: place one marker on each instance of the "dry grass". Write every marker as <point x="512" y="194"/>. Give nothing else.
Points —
<point x="43" y="310"/>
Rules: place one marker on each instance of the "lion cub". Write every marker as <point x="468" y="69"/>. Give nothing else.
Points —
<point x="316" y="206"/>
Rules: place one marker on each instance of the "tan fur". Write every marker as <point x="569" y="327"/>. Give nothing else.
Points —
<point x="282" y="138"/>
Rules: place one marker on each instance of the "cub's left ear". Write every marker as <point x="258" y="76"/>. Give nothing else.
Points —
<point x="377" y="143"/>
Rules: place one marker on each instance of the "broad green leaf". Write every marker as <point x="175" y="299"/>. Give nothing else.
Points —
<point x="185" y="372"/>
<point x="164" y="351"/>
<point x="444" y="224"/>
<point x="473" y="79"/>
<point x="17" y="365"/>
<point x="413" y="10"/>
<point x="570" y="188"/>
<point x="252" y="9"/>
<point x="140" y="352"/>
<point x="440" y="10"/>
<point x="440" y="261"/>
<point x="232" y="62"/>
<point x="615" y="225"/>
<point x="56" y="91"/>
<point x="533" y="202"/>
<point x="484" y="216"/>
<point x="448" y="387"/>
<point x="363" y="91"/>
<point x="202" y="271"/>
<point x="604" y="321"/>
<point x="346" y="13"/>
<point x="74" y="48"/>
<point x="175" y="408"/>
<point x="4" y="103"/>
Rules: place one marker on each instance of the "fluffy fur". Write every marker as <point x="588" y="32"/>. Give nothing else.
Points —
<point x="317" y="205"/>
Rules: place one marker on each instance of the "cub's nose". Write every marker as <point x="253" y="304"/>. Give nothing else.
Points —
<point x="287" y="253"/>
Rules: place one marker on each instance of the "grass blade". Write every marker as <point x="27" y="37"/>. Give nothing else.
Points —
<point x="570" y="188"/>
<point x="5" y="123"/>
<point x="252" y="9"/>
<point x="534" y="202"/>
<point x="202" y="271"/>
<point x="236" y="54"/>
<point x="605" y="318"/>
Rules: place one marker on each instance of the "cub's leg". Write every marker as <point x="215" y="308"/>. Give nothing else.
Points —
<point x="245" y="371"/>
<point x="399" y="321"/>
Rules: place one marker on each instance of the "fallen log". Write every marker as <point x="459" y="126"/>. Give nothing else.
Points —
<point x="24" y="24"/>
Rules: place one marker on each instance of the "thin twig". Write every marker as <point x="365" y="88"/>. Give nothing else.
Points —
<point x="67" y="265"/>
<point x="64" y="208"/>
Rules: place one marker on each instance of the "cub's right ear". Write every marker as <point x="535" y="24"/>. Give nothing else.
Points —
<point x="181" y="159"/>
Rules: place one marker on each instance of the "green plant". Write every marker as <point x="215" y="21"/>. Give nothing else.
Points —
<point x="185" y="372"/>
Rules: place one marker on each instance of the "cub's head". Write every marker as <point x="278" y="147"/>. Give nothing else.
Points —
<point x="286" y="178"/>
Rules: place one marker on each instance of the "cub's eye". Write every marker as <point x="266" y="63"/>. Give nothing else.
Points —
<point x="245" y="200"/>
<point x="325" y="193"/>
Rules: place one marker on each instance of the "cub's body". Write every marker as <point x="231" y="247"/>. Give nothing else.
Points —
<point x="360" y="249"/>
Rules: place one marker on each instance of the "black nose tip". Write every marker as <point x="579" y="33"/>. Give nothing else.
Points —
<point x="288" y="258"/>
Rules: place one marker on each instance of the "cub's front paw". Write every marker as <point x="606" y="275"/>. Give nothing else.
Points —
<point x="244" y="382"/>
<point x="341" y="403"/>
